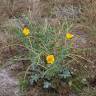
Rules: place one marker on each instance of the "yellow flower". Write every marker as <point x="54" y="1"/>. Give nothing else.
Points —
<point x="69" y="36"/>
<point x="50" y="59"/>
<point x="26" y="31"/>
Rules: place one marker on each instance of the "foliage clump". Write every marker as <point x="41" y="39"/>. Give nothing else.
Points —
<point x="48" y="49"/>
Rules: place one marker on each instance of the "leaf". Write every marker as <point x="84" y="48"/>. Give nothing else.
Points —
<point x="52" y="71"/>
<point x="34" y="78"/>
<point x="23" y="84"/>
<point x="65" y="73"/>
<point x="46" y="84"/>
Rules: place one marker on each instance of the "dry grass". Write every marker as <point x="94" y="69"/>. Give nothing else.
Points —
<point x="86" y="23"/>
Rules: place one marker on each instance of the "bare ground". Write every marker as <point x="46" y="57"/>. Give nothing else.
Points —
<point x="8" y="84"/>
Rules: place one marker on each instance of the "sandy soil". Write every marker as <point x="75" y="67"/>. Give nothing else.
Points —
<point x="8" y="84"/>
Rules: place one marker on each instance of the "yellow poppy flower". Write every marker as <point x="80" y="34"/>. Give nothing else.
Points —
<point x="26" y="31"/>
<point x="50" y="59"/>
<point x="69" y="36"/>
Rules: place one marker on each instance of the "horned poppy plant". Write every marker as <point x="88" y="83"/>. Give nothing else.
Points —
<point x="50" y="59"/>
<point x="26" y="31"/>
<point x="69" y="36"/>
